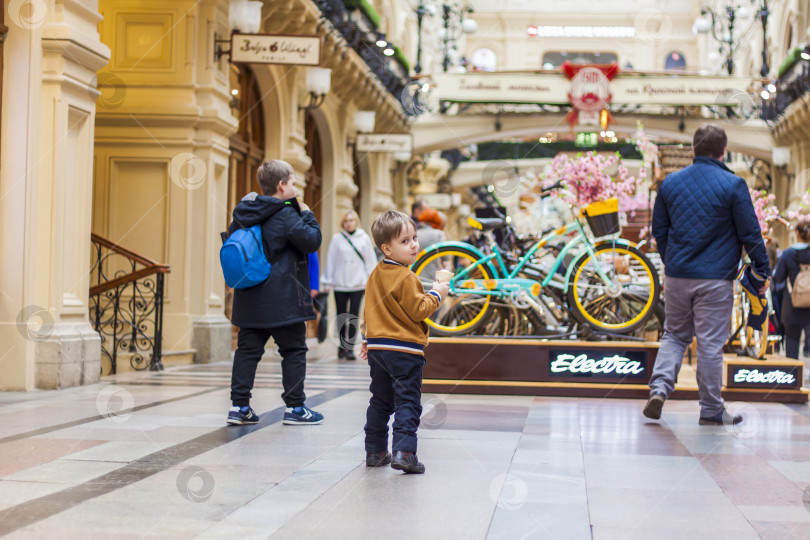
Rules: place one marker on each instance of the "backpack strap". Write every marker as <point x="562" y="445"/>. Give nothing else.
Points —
<point x="346" y="236"/>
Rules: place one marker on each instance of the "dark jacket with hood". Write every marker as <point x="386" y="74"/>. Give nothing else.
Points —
<point x="288" y="235"/>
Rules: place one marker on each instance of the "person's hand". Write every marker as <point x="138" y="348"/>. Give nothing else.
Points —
<point x="303" y="206"/>
<point x="442" y="287"/>
<point x="364" y="351"/>
<point x="765" y="288"/>
<point x="314" y="293"/>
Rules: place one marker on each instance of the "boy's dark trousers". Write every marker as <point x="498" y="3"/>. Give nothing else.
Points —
<point x="396" y="387"/>
<point x="292" y="345"/>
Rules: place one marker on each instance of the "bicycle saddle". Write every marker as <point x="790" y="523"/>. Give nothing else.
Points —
<point x="489" y="224"/>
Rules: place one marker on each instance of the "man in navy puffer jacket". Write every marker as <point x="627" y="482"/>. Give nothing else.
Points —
<point x="703" y="216"/>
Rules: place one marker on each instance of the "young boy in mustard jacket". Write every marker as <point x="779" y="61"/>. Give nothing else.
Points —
<point x="395" y="338"/>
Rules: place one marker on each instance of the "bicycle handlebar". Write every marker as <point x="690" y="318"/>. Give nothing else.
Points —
<point x="552" y="187"/>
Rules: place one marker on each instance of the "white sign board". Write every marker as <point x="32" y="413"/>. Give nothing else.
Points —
<point x="554" y="88"/>
<point x="502" y="87"/>
<point x="275" y="49"/>
<point x="384" y="142"/>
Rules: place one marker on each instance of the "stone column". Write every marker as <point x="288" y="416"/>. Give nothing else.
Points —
<point x="210" y="329"/>
<point x="46" y="196"/>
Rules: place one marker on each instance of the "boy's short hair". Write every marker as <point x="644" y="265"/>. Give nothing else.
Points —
<point x="388" y="225"/>
<point x="271" y="173"/>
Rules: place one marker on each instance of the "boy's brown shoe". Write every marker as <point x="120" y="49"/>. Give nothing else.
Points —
<point x="407" y="462"/>
<point x="378" y="459"/>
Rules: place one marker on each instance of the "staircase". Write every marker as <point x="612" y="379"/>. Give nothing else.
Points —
<point x="126" y="307"/>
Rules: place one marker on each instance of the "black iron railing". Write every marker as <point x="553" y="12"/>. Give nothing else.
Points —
<point x="126" y="305"/>
<point x="790" y="87"/>
<point x="361" y="35"/>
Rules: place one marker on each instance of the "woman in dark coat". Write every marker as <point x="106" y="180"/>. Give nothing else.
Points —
<point x="787" y="268"/>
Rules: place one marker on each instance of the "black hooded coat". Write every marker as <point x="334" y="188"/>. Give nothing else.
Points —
<point x="288" y="235"/>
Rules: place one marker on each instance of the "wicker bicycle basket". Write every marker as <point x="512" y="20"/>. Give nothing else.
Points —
<point x="602" y="217"/>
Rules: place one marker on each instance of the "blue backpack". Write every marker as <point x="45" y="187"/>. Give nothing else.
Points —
<point x="244" y="263"/>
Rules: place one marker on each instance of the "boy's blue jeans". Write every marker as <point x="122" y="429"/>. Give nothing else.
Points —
<point x="396" y="388"/>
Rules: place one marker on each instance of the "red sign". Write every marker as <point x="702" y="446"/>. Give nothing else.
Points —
<point x="590" y="93"/>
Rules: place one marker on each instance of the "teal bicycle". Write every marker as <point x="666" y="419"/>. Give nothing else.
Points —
<point x="563" y="279"/>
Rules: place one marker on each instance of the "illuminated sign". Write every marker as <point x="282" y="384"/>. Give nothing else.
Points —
<point x="586" y="139"/>
<point x="598" y="364"/>
<point x="762" y="376"/>
<point x="582" y="31"/>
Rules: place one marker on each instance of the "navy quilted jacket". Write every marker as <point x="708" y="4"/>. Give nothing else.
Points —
<point x="703" y="215"/>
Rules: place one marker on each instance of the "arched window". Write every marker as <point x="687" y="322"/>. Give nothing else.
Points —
<point x="484" y="60"/>
<point x="675" y="62"/>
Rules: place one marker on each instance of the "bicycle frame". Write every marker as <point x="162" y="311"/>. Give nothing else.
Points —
<point x="510" y="283"/>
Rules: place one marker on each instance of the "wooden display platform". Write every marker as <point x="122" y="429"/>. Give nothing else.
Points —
<point x="619" y="369"/>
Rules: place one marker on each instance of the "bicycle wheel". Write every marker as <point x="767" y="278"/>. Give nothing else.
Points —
<point x="460" y="313"/>
<point x="628" y="302"/>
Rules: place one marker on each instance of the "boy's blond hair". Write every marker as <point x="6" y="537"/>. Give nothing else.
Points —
<point x="271" y="173"/>
<point x="388" y="225"/>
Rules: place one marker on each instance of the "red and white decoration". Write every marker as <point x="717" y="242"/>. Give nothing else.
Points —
<point x="590" y="93"/>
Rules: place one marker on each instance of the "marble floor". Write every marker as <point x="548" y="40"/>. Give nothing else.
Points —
<point x="148" y="455"/>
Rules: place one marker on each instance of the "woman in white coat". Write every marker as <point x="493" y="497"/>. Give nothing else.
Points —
<point x="349" y="262"/>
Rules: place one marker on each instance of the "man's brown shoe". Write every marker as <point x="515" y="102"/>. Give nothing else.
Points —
<point x="654" y="405"/>
<point x="407" y="462"/>
<point x="378" y="459"/>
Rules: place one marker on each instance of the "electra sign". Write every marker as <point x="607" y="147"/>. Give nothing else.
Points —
<point x="758" y="376"/>
<point x="595" y="363"/>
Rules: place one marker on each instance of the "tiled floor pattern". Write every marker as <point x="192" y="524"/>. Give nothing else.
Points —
<point x="148" y="455"/>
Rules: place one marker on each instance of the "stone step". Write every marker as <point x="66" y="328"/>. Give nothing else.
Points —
<point x="170" y="358"/>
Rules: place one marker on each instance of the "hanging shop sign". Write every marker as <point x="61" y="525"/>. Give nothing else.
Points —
<point x="384" y="142"/>
<point x="762" y="375"/>
<point x="275" y="49"/>
<point x="623" y="89"/>
<point x="593" y="363"/>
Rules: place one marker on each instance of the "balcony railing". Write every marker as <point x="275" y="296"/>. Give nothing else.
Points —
<point x="361" y="35"/>
<point x="790" y="87"/>
<point x="126" y="306"/>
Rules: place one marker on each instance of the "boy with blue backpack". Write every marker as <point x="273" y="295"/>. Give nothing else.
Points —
<point x="279" y="305"/>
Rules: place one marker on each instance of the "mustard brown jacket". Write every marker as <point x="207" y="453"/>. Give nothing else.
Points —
<point x="396" y="308"/>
